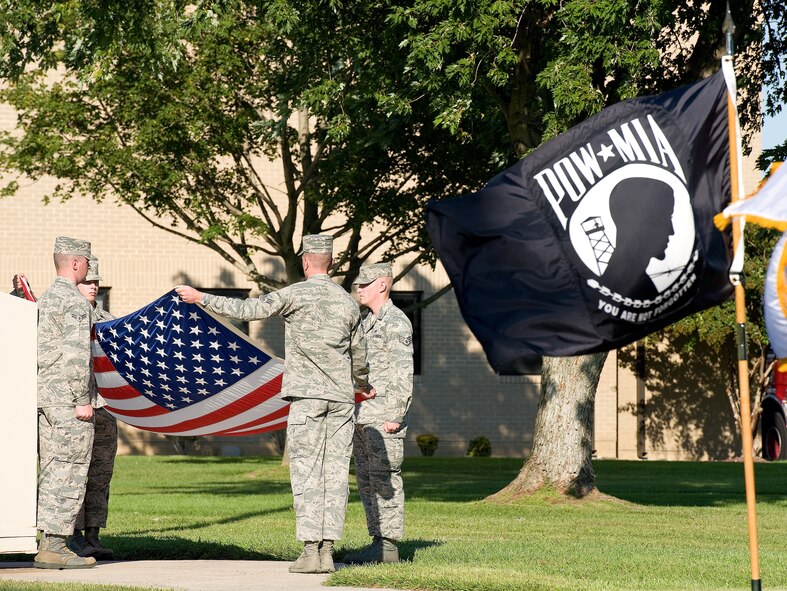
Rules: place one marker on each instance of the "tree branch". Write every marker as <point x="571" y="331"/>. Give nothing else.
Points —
<point x="433" y="298"/>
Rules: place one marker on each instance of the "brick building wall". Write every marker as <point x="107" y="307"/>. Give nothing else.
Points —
<point x="457" y="396"/>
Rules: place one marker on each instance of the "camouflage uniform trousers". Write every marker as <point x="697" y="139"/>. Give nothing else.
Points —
<point x="319" y="436"/>
<point x="102" y="463"/>
<point x="378" y="471"/>
<point x="64" y="447"/>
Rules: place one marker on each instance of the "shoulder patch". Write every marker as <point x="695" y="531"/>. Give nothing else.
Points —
<point x="406" y="340"/>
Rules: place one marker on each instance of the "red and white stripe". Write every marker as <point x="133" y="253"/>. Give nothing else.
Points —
<point x="250" y="406"/>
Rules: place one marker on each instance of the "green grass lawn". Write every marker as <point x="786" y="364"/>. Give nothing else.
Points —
<point x="672" y="525"/>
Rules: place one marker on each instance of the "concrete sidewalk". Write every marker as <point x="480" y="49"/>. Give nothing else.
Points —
<point x="189" y="575"/>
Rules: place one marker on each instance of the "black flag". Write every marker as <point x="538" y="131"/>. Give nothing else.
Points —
<point x="600" y="236"/>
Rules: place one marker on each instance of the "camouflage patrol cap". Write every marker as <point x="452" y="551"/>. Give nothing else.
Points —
<point x="92" y="269"/>
<point x="72" y="246"/>
<point x="317" y="244"/>
<point x="369" y="273"/>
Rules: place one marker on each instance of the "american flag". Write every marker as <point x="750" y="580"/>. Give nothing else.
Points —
<point x="176" y="369"/>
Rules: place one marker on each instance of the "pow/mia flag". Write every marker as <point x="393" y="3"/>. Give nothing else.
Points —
<point x="600" y="236"/>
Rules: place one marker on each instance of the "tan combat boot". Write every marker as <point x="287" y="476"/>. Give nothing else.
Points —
<point x="326" y="557"/>
<point x="390" y="553"/>
<point x="53" y="553"/>
<point x="94" y="547"/>
<point x="309" y="560"/>
<point x="371" y="554"/>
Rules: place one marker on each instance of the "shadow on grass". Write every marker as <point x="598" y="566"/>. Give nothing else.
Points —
<point x="657" y="483"/>
<point x="211" y="523"/>
<point x="407" y="548"/>
<point x="174" y="548"/>
<point x="457" y="480"/>
<point x="689" y="484"/>
<point x="166" y="548"/>
<point x="224" y="489"/>
<point x="230" y="460"/>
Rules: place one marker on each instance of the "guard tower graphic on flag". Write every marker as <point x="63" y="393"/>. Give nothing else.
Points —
<point x="602" y="248"/>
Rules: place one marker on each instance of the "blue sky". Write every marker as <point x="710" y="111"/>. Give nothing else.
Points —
<point x="774" y="130"/>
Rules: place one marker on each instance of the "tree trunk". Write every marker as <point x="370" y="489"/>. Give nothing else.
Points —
<point x="563" y="437"/>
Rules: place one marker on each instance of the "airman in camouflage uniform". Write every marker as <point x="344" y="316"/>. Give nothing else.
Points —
<point x="93" y="514"/>
<point x="65" y="416"/>
<point x="381" y="422"/>
<point x="325" y="355"/>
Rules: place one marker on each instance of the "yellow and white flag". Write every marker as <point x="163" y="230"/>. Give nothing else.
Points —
<point x="766" y="208"/>
<point x="775" y="299"/>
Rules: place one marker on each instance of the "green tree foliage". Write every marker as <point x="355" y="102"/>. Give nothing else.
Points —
<point x="370" y="108"/>
<point x="174" y="107"/>
<point x="548" y="65"/>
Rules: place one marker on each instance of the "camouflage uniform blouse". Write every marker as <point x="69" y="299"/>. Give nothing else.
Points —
<point x="63" y="346"/>
<point x="389" y="338"/>
<point x="325" y="348"/>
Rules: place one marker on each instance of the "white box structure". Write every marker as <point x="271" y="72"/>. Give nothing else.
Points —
<point x="18" y="424"/>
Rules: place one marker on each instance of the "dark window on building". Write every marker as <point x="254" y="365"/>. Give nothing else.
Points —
<point x="241" y="325"/>
<point x="405" y="300"/>
<point x="102" y="298"/>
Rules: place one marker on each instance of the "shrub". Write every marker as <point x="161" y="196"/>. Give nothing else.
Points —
<point x="427" y="443"/>
<point x="479" y="447"/>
